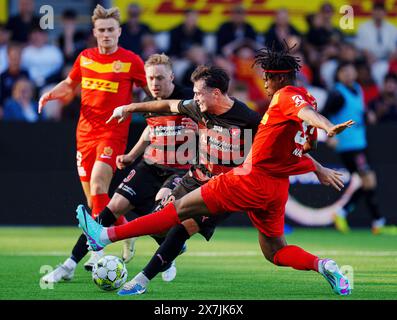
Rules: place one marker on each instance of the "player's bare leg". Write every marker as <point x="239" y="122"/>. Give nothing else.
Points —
<point x="87" y="192"/>
<point x="277" y="251"/>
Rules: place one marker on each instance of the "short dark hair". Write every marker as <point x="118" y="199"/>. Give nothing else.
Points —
<point x="214" y="77"/>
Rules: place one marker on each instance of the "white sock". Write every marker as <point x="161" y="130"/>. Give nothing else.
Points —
<point x="141" y="279"/>
<point x="70" y="263"/>
<point x="103" y="237"/>
<point x="342" y="213"/>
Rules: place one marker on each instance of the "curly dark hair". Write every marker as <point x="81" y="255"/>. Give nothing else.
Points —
<point x="278" y="62"/>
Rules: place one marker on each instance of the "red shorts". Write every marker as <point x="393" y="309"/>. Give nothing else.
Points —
<point x="97" y="150"/>
<point x="262" y="196"/>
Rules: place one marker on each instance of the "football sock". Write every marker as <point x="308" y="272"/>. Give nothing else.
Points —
<point x="70" y="263"/>
<point x="167" y="252"/>
<point x="295" y="257"/>
<point x="372" y="202"/>
<point x="99" y="202"/>
<point x="120" y="221"/>
<point x="80" y="249"/>
<point x="153" y="223"/>
<point x="352" y="203"/>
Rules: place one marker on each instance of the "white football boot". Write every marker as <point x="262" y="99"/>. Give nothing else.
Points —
<point x="95" y="256"/>
<point x="61" y="272"/>
<point x="128" y="249"/>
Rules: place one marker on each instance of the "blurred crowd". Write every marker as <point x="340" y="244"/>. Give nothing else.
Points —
<point x="30" y="64"/>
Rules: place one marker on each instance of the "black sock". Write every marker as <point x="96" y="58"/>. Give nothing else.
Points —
<point x="372" y="202"/>
<point x="159" y="240"/>
<point x="168" y="251"/>
<point x="106" y="217"/>
<point x="80" y="249"/>
<point x="352" y="203"/>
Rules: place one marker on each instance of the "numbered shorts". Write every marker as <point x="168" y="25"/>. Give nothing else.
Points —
<point x="207" y="224"/>
<point x="263" y="197"/>
<point x="142" y="184"/>
<point x="98" y="150"/>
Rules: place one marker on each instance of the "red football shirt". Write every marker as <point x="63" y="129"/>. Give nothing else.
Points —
<point x="278" y="144"/>
<point x="106" y="83"/>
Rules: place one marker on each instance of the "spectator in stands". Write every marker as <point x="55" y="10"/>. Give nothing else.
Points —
<point x="366" y="81"/>
<point x="185" y="35"/>
<point x="236" y="29"/>
<point x="347" y="52"/>
<point x="321" y="29"/>
<point x="42" y="60"/>
<point x="13" y="72"/>
<point x="72" y="41"/>
<point x="196" y="55"/>
<point x="4" y="39"/>
<point x="377" y="37"/>
<point x="133" y="30"/>
<point x="385" y="106"/>
<point x="149" y="46"/>
<point x="280" y="30"/>
<point x="21" y="24"/>
<point x="21" y="107"/>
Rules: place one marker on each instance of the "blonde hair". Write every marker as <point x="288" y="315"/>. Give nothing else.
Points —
<point x="157" y="59"/>
<point x="102" y="13"/>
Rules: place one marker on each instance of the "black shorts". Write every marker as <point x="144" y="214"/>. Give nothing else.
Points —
<point x="187" y="184"/>
<point x="142" y="184"/>
<point x="356" y="161"/>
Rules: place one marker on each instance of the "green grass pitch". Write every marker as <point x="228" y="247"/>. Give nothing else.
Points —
<point x="231" y="266"/>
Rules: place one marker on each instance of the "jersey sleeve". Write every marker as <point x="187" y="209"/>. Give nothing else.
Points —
<point x="137" y="72"/>
<point x="189" y="108"/>
<point x="75" y="72"/>
<point x="291" y="102"/>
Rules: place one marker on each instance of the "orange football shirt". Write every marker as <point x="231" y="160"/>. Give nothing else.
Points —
<point x="106" y="83"/>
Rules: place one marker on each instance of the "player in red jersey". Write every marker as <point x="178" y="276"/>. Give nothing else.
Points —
<point x="260" y="185"/>
<point x="107" y="75"/>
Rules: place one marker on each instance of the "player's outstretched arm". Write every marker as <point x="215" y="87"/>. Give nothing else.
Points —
<point x="124" y="160"/>
<point x="326" y="176"/>
<point x="62" y="91"/>
<point x="161" y="106"/>
<point x="315" y="119"/>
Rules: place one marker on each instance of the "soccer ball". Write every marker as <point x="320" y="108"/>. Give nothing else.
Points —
<point x="109" y="273"/>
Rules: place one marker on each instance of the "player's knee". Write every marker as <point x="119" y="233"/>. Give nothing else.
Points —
<point x="98" y="186"/>
<point x="368" y="181"/>
<point x="191" y="226"/>
<point x="182" y="208"/>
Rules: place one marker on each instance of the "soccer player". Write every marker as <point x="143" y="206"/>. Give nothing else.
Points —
<point x="226" y="125"/>
<point x="107" y="75"/>
<point x="260" y="185"/>
<point x="158" y="168"/>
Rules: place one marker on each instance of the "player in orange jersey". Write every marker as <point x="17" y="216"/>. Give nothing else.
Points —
<point x="260" y="185"/>
<point x="107" y="75"/>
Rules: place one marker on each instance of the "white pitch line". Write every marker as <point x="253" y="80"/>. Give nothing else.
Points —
<point x="222" y="254"/>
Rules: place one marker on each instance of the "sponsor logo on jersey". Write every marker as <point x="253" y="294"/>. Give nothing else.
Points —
<point x="235" y="132"/>
<point x="99" y="84"/>
<point x="298" y="100"/>
<point x="115" y="66"/>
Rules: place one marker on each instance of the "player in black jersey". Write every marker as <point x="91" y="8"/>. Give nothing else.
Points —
<point x="138" y="190"/>
<point x="226" y="129"/>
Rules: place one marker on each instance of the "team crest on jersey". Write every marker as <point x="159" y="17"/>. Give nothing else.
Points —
<point x="235" y="132"/>
<point x="298" y="100"/>
<point x="130" y="175"/>
<point x="108" y="151"/>
<point x="117" y="65"/>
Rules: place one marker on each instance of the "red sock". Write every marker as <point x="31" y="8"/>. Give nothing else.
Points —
<point x="120" y="221"/>
<point x="99" y="202"/>
<point x="153" y="223"/>
<point x="295" y="257"/>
